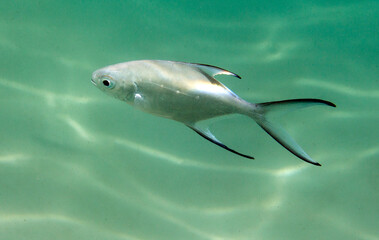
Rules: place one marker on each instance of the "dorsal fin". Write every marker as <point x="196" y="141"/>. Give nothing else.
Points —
<point x="210" y="71"/>
<point x="213" y="70"/>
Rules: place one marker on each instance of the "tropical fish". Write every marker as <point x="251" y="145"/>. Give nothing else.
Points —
<point x="189" y="93"/>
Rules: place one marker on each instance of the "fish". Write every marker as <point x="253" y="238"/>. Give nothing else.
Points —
<point x="189" y="93"/>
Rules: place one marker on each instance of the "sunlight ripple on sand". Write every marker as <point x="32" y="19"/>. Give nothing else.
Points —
<point x="186" y="162"/>
<point x="346" y="225"/>
<point x="164" y="215"/>
<point x="13" y="158"/>
<point x="29" y="218"/>
<point x="78" y="128"/>
<point x="340" y="88"/>
<point x="51" y="97"/>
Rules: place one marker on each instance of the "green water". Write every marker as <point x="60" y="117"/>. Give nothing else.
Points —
<point x="78" y="164"/>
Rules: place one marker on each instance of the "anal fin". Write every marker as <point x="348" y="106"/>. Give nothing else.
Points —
<point x="209" y="136"/>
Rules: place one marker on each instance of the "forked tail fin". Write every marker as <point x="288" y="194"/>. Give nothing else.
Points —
<point x="280" y="135"/>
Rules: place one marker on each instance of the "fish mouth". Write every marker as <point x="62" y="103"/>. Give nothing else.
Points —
<point x="93" y="82"/>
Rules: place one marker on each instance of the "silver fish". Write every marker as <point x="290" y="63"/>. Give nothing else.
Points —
<point x="189" y="93"/>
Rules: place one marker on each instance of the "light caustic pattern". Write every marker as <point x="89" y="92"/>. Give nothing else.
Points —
<point x="72" y="165"/>
<point x="182" y="218"/>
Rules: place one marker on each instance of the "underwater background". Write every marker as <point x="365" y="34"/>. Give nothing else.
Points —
<point x="78" y="164"/>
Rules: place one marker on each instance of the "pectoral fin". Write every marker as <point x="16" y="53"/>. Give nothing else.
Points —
<point x="210" y="137"/>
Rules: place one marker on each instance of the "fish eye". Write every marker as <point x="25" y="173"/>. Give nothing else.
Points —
<point x="108" y="83"/>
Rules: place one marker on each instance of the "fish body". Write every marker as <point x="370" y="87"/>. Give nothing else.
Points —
<point x="189" y="93"/>
<point x="174" y="90"/>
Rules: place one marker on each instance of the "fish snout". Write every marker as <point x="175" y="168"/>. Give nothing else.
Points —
<point x="93" y="82"/>
<point x="93" y="77"/>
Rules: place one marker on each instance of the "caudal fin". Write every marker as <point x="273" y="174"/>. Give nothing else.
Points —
<point x="261" y="116"/>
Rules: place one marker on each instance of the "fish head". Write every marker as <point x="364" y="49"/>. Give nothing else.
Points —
<point x="115" y="81"/>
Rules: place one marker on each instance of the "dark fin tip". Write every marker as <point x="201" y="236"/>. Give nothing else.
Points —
<point x="220" y="144"/>
<point x="320" y="101"/>
<point x="290" y="150"/>
<point x="301" y="100"/>
<point x="325" y="102"/>
<point x="332" y="104"/>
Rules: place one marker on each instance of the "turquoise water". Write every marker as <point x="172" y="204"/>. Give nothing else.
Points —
<point x="77" y="164"/>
